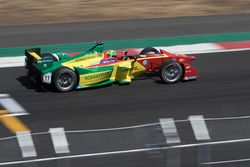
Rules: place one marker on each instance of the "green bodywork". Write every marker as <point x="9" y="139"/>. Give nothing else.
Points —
<point x="83" y="65"/>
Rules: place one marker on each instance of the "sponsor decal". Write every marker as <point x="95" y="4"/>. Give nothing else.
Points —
<point x="45" y="60"/>
<point x="98" y="75"/>
<point x="87" y="57"/>
<point x="108" y="61"/>
<point x="145" y="62"/>
<point x="94" y="78"/>
<point x="192" y="77"/>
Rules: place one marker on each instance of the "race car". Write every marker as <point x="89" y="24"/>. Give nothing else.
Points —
<point x="97" y="66"/>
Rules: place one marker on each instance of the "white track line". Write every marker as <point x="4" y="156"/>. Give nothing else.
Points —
<point x="59" y="140"/>
<point x="12" y="106"/>
<point x="226" y="162"/>
<point x="213" y="51"/>
<point x="124" y="151"/>
<point x="4" y="95"/>
<point x="199" y="127"/>
<point x="169" y="130"/>
<point x="219" y="51"/>
<point x="228" y="118"/>
<point x="26" y="144"/>
<point x="113" y="129"/>
<point x="192" y="48"/>
<point x="16" y="61"/>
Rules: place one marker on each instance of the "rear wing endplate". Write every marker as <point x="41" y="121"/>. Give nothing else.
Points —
<point x="33" y="53"/>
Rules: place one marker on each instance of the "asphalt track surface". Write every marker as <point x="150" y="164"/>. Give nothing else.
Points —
<point x="221" y="91"/>
<point x="117" y="30"/>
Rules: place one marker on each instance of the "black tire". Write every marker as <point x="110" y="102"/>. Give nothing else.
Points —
<point x="64" y="79"/>
<point x="170" y="72"/>
<point x="149" y="50"/>
<point x="49" y="55"/>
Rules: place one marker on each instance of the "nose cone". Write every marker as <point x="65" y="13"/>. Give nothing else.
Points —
<point x="191" y="58"/>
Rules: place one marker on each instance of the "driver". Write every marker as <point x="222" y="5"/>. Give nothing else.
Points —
<point x="111" y="54"/>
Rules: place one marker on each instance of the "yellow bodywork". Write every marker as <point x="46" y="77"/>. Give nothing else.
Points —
<point x="84" y="61"/>
<point x="121" y="72"/>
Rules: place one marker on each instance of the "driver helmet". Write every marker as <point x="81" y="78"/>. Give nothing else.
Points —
<point x="111" y="53"/>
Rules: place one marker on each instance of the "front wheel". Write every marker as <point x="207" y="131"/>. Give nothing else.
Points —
<point x="171" y="72"/>
<point x="64" y="79"/>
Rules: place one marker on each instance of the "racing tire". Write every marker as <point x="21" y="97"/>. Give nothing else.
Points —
<point x="46" y="55"/>
<point x="171" y="72"/>
<point x="64" y="79"/>
<point x="149" y="50"/>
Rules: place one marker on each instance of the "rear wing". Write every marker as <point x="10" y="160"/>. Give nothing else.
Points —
<point x="33" y="54"/>
<point x="34" y="60"/>
<point x="32" y="57"/>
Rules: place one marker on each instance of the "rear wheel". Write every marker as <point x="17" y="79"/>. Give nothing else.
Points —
<point x="64" y="79"/>
<point x="171" y="72"/>
<point x="149" y="50"/>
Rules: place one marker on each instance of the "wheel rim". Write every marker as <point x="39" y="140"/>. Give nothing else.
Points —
<point x="172" y="72"/>
<point x="65" y="81"/>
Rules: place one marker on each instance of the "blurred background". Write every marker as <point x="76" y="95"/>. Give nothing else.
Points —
<point x="58" y="11"/>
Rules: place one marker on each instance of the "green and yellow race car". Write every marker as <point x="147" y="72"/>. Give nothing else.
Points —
<point x="96" y="67"/>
